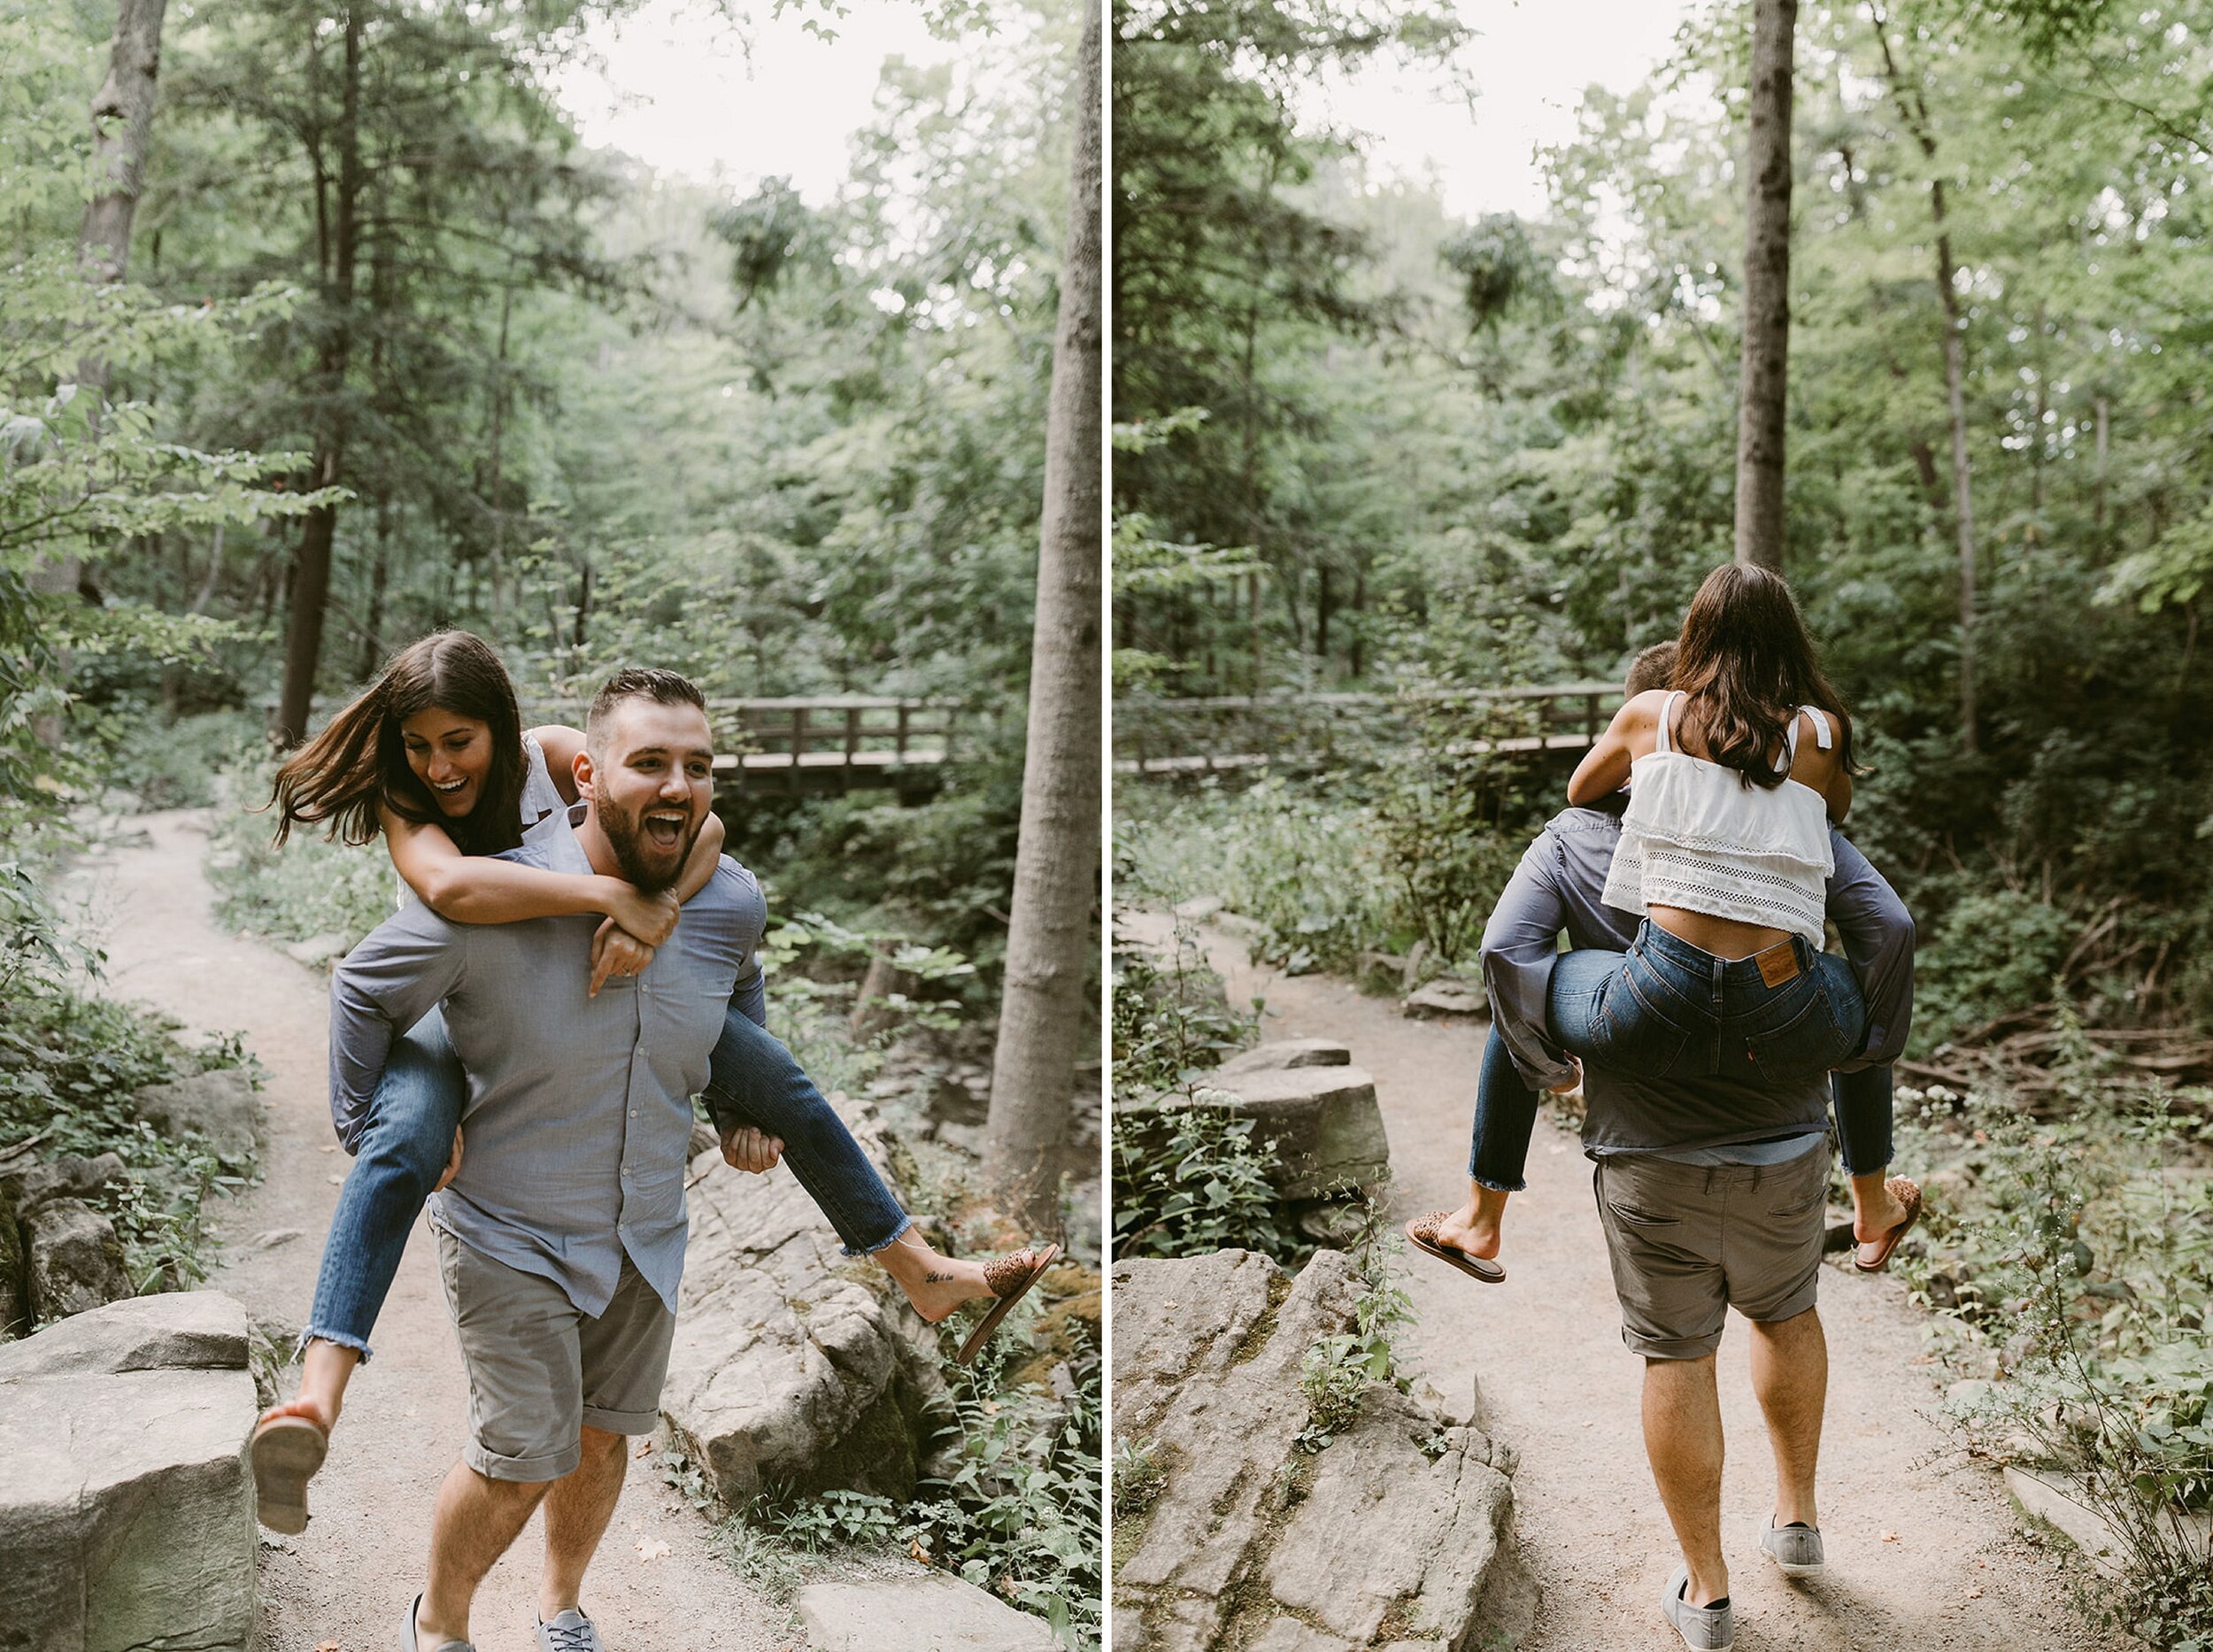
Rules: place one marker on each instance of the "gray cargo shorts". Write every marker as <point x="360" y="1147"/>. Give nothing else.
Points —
<point x="541" y="1370"/>
<point x="1689" y="1242"/>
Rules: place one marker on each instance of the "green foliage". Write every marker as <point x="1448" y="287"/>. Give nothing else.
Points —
<point x="69" y="1064"/>
<point x="2077" y="1253"/>
<point x="310" y="886"/>
<point x="1171" y="1023"/>
<point x="1016" y="1511"/>
<point x="1994" y="952"/>
<point x="1192" y="1179"/>
<point x="1139" y="1476"/>
<point x="179" y="764"/>
<point x="1336" y="1373"/>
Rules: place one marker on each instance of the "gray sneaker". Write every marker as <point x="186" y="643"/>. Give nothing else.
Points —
<point x="411" y="1641"/>
<point x="570" y="1631"/>
<point x="1703" y="1628"/>
<point x="1796" y="1548"/>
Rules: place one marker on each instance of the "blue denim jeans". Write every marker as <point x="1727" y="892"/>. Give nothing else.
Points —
<point x="1662" y="1009"/>
<point x="408" y="1136"/>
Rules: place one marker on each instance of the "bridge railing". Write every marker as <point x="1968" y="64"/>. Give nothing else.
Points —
<point x="1166" y="735"/>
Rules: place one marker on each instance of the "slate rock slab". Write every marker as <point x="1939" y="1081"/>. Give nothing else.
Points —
<point x="1284" y="1055"/>
<point x="221" y="1106"/>
<point x="793" y="1362"/>
<point x="127" y="1509"/>
<point x="1399" y="1531"/>
<point x="1446" y="997"/>
<point x="928" y="1612"/>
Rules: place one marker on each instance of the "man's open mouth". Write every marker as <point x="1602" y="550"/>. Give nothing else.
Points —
<point x="665" y="828"/>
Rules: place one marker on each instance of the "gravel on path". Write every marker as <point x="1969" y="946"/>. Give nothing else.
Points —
<point x="1923" y="1549"/>
<point x="345" y="1584"/>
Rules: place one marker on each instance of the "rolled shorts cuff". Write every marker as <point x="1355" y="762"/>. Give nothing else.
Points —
<point x="524" y="1470"/>
<point x="622" y="1422"/>
<point x="905" y="1221"/>
<point x="340" y="1339"/>
<point x="1669" y="1348"/>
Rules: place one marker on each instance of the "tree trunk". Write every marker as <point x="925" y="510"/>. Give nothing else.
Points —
<point x="1050" y="949"/>
<point x="1322" y="622"/>
<point x="122" y="115"/>
<point x="1763" y="377"/>
<point x="2098" y="503"/>
<point x="1962" y="477"/>
<point x="1914" y="109"/>
<point x="311" y="578"/>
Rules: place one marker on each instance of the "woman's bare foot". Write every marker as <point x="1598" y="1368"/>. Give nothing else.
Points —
<point x="935" y="1284"/>
<point x="1473" y="1229"/>
<point x="1876" y="1210"/>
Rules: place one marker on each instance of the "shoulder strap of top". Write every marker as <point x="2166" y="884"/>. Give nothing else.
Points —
<point x="1667" y="715"/>
<point x="1821" y="736"/>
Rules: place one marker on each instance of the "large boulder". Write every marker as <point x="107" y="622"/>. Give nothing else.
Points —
<point x="1399" y="1530"/>
<point x="1285" y="1055"/>
<point x="74" y="1259"/>
<point x="1319" y="1111"/>
<point x="65" y="1176"/>
<point x="791" y="1363"/>
<point x="15" y="1288"/>
<point x="926" y="1612"/>
<point x="221" y="1105"/>
<point x="127" y="1509"/>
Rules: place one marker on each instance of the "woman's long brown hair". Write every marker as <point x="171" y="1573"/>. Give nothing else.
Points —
<point x="1746" y="666"/>
<point x="358" y="764"/>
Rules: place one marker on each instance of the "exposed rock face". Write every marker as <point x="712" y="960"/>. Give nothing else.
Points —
<point x="928" y="1612"/>
<point x="221" y="1106"/>
<point x="127" y="1509"/>
<point x="1327" y="1131"/>
<point x="74" y="1259"/>
<point x="65" y="1176"/>
<point x="793" y="1362"/>
<point x="1399" y="1531"/>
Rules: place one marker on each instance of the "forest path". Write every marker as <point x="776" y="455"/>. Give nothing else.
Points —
<point x="1563" y="1390"/>
<point x="346" y="1582"/>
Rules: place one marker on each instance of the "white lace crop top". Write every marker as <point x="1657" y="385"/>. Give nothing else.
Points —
<point x="540" y="798"/>
<point x="1695" y="836"/>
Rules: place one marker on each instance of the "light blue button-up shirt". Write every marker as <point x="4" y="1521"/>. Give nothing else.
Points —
<point x="579" y="1111"/>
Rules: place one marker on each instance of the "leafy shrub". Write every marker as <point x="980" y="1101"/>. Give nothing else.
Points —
<point x="1171" y="1020"/>
<point x="2077" y="1252"/>
<point x="310" y="886"/>
<point x="179" y="764"/>
<point x="1189" y="1180"/>
<point x="1018" y="1512"/>
<point x="1138" y="1477"/>
<point x="69" y="1064"/>
<point x="1996" y="950"/>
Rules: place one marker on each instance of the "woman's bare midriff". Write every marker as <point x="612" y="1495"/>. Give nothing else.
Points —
<point x="1724" y="938"/>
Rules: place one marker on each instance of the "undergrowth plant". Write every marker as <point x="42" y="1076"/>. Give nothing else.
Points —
<point x="1336" y="1371"/>
<point x="2078" y="1252"/>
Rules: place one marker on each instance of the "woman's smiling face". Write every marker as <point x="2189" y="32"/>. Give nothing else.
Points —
<point x="450" y="754"/>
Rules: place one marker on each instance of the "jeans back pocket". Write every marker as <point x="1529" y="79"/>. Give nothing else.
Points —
<point x="1809" y="1042"/>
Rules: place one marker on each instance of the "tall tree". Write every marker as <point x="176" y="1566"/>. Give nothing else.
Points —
<point x="1913" y="109"/>
<point x="1763" y="377"/>
<point x="1049" y="944"/>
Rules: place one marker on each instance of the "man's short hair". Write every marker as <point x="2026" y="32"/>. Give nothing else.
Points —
<point x="663" y="688"/>
<point x="1652" y="669"/>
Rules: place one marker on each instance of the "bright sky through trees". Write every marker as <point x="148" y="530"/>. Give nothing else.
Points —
<point x="1528" y="66"/>
<point x="690" y="94"/>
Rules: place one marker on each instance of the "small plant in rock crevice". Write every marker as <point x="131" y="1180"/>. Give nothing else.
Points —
<point x="1336" y="1371"/>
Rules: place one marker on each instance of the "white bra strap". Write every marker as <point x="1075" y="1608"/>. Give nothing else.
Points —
<point x="1667" y="716"/>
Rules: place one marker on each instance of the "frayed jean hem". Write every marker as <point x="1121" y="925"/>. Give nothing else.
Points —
<point x="1497" y="1187"/>
<point x="905" y="1221"/>
<point x="340" y="1339"/>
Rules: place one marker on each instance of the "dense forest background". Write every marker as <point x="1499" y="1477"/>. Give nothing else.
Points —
<point x="596" y="414"/>
<point x="1369" y="450"/>
<point x="1365" y="445"/>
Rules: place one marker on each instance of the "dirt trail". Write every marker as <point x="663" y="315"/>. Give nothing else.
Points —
<point x="346" y="1583"/>
<point x="1563" y="1390"/>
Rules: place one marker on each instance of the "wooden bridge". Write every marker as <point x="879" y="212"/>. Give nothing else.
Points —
<point x="1157" y="736"/>
<point x="823" y="743"/>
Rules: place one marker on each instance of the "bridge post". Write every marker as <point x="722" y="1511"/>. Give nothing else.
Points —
<point x="798" y="741"/>
<point x="900" y="748"/>
<point x="853" y="733"/>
